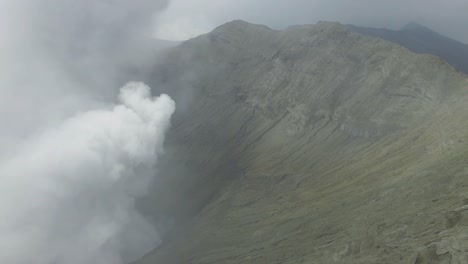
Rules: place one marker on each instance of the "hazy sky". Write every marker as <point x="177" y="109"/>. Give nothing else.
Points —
<point x="187" y="18"/>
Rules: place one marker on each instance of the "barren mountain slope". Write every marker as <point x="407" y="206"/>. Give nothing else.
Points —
<point x="313" y="145"/>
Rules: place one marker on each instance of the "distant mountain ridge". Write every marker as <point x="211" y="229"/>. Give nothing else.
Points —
<point x="421" y="39"/>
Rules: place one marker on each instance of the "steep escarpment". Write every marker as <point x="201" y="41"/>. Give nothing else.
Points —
<point x="313" y="144"/>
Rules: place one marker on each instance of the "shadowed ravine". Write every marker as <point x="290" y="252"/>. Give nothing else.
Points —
<point x="313" y="144"/>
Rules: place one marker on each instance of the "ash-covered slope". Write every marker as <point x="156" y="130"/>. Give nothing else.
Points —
<point x="312" y="145"/>
<point x="421" y="39"/>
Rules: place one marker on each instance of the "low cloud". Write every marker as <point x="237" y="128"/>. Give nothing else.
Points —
<point x="72" y="161"/>
<point x="68" y="194"/>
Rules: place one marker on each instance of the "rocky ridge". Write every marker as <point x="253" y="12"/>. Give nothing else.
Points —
<point x="314" y="144"/>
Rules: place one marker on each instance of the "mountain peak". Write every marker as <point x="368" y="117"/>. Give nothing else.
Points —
<point x="327" y="26"/>
<point x="414" y="26"/>
<point x="239" y="25"/>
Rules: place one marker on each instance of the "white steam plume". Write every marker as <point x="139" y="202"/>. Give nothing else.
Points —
<point x="69" y="176"/>
<point x="68" y="195"/>
<point x="62" y="56"/>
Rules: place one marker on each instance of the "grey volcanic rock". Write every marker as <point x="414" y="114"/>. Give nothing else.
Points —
<point x="314" y="144"/>
<point x="420" y="39"/>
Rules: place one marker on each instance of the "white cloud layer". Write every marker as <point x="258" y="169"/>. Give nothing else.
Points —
<point x="59" y="57"/>
<point x="69" y="176"/>
<point x="68" y="194"/>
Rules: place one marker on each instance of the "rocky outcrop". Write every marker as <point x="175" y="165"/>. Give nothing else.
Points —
<point x="314" y="144"/>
